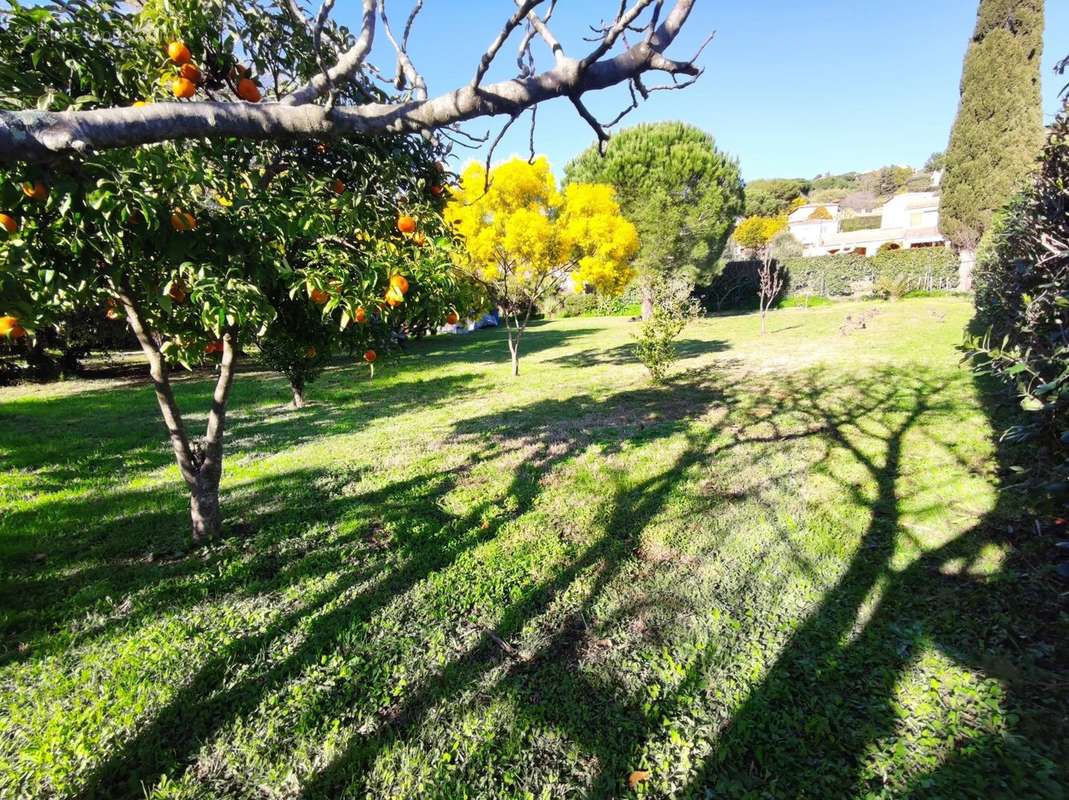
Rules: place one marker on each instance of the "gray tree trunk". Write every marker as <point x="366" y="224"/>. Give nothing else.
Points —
<point x="204" y="508"/>
<point x="965" y="269"/>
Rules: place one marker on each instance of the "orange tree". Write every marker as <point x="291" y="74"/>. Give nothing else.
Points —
<point x="199" y="244"/>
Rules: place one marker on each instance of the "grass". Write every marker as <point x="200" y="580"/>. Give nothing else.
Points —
<point x="788" y="573"/>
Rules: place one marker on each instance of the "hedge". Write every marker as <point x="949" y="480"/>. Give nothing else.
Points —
<point x="860" y="223"/>
<point x="925" y="268"/>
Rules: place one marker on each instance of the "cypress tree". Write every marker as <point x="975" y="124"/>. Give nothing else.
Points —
<point x="999" y="127"/>
<point x="676" y="187"/>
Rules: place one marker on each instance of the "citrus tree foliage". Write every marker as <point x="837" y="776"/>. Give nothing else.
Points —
<point x="1022" y="303"/>
<point x="999" y="127"/>
<point x="523" y="239"/>
<point x="197" y="244"/>
<point x="680" y="191"/>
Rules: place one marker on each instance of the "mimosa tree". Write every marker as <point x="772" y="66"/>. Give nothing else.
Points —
<point x="525" y="240"/>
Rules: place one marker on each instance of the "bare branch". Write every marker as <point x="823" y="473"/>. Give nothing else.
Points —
<point x="407" y="74"/>
<point x="347" y="65"/>
<point x="32" y="135"/>
<point x="493" y="147"/>
<point x="514" y="21"/>
<point x="623" y="22"/>
<point x="591" y="120"/>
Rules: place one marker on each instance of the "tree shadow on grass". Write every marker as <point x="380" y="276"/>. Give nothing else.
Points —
<point x="70" y="557"/>
<point x="200" y="709"/>
<point x="830" y="694"/>
<point x="807" y="725"/>
<point x="625" y="353"/>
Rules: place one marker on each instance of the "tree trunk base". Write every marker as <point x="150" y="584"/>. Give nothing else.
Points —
<point x="204" y="513"/>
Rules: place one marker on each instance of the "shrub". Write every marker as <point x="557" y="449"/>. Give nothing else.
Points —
<point x="891" y="288"/>
<point x="673" y="307"/>
<point x="578" y="305"/>
<point x="1022" y="303"/>
<point x="860" y="223"/>
<point x="821" y="213"/>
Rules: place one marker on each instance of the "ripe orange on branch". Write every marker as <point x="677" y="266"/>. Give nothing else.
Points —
<point x="338" y="186"/>
<point x="248" y="90"/>
<point x="400" y="283"/>
<point x="406" y="224"/>
<point x="36" y="191"/>
<point x="319" y="297"/>
<point x="370" y="356"/>
<point x="8" y="223"/>
<point x="361" y="316"/>
<point x="453" y="318"/>
<point x="183" y="87"/>
<point x="178" y="52"/>
<point x="9" y="326"/>
<point x="394" y="297"/>
<point x="190" y="72"/>
<point x="183" y="221"/>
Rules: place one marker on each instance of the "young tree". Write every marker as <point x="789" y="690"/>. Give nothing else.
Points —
<point x="755" y="235"/>
<point x="999" y="127"/>
<point x="674" y="306"/>
<point x="523" y="239"/>
<point x="680" y="191"/>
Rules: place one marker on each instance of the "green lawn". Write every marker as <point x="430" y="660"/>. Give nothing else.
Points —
<point x="786" y="574"/>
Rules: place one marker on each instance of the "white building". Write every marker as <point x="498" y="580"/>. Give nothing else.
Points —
<point x="907" y="221"/>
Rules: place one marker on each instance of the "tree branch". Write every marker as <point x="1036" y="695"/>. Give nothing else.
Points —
<point x="346" y="68"/>
<point x="40" y="136"/>
<point x="161" y="383"/>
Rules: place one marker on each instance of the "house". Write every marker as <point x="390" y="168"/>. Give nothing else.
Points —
<point x="906" y="221"/>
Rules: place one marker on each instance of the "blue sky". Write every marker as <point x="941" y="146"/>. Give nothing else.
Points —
<point x="790" y="88"/>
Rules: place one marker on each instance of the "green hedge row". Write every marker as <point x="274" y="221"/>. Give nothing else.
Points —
<point x="860" y="224"/>
<point x="925" y="269"/>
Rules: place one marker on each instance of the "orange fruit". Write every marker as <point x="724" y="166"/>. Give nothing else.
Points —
<point x="319" y="296"/>
<point x="183" y="221"/>
<point x="183" y="87"/>
<point x="370" y="356"/>
<point x="178" y="52"/>
<point x="248" y="90"/>
<point x="453" y="318"/>
<point x="310" y="352"/>
<point x="213" y="347"/>
<point x="406" y="224"/>
<point x="394" y="297"/>
<point x="190" y="72"/>
<point x="437" y="190"/>
<point x="178" y="292"/>
<point x="18" y="332"/>
<point x="321" y="148"/>
<point x="400" y="283"/>
<point x="35" y="191"/>
<point x="419" y="239"/>
<point x="361" y="316"/>
<point x="8" y="324"/>
<point x="339" y="186"/>
<point x="8" y="223"/>
<point x="113" y="313"/>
